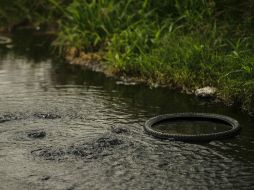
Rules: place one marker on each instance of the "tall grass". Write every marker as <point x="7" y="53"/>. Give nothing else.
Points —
<point x="198" y="45"/>
<point x="89" y="25"/>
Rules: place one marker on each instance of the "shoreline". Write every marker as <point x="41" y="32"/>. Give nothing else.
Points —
<point x="95" y="61"/>
<point x="180" y="45"/>
<point x="90" y="61"/>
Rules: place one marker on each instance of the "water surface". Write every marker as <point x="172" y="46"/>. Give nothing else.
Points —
<point x="64" y="127"/>
<point x="191" y="127"/>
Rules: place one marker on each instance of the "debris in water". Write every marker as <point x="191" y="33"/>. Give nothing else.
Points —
<point x="5" y="40"/>
<point x="206" y="92"/>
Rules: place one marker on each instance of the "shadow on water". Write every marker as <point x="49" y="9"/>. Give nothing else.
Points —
<point x="186" y="127"/>
<point x="32" y="44"/>
<point x="66" y="127"/>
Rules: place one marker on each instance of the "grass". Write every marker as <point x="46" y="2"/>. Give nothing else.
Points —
<point x="89" y="25"/>
<point x="184" y="44"/>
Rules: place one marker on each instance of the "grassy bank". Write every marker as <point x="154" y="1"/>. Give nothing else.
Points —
<point x="184" y="44"/>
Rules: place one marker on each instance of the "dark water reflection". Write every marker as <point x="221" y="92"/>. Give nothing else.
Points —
<point x="188" y="127"/>
<point x="56" y="130"/>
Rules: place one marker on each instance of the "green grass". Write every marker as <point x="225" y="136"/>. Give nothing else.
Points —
<point x="89" y="25"/>
<point x="184" y="44"/>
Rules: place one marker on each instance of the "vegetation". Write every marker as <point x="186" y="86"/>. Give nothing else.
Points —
<point x="184" y="44"/>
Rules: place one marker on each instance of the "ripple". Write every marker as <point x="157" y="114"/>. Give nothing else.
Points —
<point x="97" y="148"/>
<point x="36" y="134"/>
<point x="46" y="116"/>
<point x="120" y="130"/>
<point x="4" y="117"/>
<point x="62" y="128"/>
<point x="28" y="135"/>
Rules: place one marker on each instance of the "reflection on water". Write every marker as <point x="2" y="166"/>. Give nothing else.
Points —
<point x="64" y="127"/>
<point x="194" y="127"/>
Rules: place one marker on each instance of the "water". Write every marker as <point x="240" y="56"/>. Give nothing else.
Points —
<point x="64" y="127"/>
<point x="187" y="127"/>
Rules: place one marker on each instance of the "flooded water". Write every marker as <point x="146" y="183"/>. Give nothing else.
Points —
<point x="64" y="127"/>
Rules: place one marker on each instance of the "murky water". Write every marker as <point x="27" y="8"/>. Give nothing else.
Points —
<point x="189" y="127"/>
<point x="63" y="127"/>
